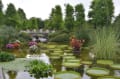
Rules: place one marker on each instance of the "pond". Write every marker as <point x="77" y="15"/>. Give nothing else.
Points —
<point x="17" y="69"/>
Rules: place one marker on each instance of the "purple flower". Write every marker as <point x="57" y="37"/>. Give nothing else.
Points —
<point x="10" y="46"/>
<point x="32" y="43"/>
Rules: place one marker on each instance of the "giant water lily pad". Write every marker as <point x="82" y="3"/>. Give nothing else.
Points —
<point x="104" y="62"/>
<point x="115" y="66"/>
<point x="69" y="57"/>
<point x="51" y="46"/>
<point x="73" y="60"/>
<point x="67" y="75"/>
<point x="55" y="57"/>
<point x="67" y="51"/>
<point x="19" y="64"/>
<point x="68" y="54"/>
<point x="97" y="72"/>
<point x="108" y="77"/>
<point x="87" y="62"/>
<point x="71" y="64"/>
<point x="60" y="51"/>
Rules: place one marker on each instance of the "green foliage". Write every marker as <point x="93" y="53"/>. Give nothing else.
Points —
<point x="83" y="34"/>
<point x="69" y="18"/>
<point x="7" y="34"/>
<point x="4" y="56"/>
<point x="80" y="15"/>
<point x="101" y="13"/>
<point x="64" y="37"/>
<point x="24" y="37"/>
<point x="55" y="19"/>
<point x="105" y="43"/>
<point x="117" y="21"/>
<point x="40" y="69"/>
<point x="11" y="15"/>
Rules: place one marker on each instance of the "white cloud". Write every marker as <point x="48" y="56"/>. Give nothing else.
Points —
<point x="42" y="8"/>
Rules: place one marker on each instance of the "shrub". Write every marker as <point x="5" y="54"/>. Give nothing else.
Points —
<point x="4" y="56"/>
<point x="60" y="38"/>
<point x="40" y="69"/>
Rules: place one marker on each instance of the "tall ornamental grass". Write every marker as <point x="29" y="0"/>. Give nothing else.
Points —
<point x="105" y="43"/>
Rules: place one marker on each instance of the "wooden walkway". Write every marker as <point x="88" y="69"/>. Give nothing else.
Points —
<point x="1" y="74"/>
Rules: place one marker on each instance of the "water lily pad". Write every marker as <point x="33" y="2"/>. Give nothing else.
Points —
<point x="58" y="51"/>
<point x="67" y="51"/>
<point x="67" y="75"/>
<point x="55" y="54"/>
<point x="18" y="64"/>
<point x="97" y="72"/>
<point x="55" y="57"/>
<point x="115" y="66"/>
<point x="104" y="62"/>
<point x="73" y="60"/>
<point x="71" y="64"/>
<point x="108" y="77"/>
<point x="69" y="57"/>
<point x="51" y="46"/>
<point x="68" y="54"/>
<point x="87" y="62"/>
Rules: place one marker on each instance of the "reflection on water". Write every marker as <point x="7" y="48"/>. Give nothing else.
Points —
<point x="18" y="75"/>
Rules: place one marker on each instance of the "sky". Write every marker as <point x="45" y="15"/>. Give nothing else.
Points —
<point x="42" y="8"/>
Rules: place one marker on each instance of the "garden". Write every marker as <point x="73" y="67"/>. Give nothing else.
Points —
<point x="60" y="49"/>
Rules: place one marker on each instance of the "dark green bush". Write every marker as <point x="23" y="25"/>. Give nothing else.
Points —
<point x="60" y="38"/>
<point x="4" y="56"/>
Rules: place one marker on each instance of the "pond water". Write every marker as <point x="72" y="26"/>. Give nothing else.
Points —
<point x="16" y="72"/>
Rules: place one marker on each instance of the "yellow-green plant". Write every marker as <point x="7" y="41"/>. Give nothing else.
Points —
<point x="105" y="43"/>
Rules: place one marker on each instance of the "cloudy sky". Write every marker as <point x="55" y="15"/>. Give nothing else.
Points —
<point x="42" y="8"/>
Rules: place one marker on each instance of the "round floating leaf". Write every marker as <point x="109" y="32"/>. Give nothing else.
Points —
<point x="108" y="77"/>
<point x="51" y="46"/>
<point x="97" y="72"/>
<point x="55" y="57"/>
<point x="115" y="66"/>
<point x="73" y="60"/>
<point x="71" y="64"/>
<point x="67" y="51"/>
<point x="55" y="53"/>
<point x="68" y="54"/>
<point x="86" y="62"/>
<point x="69" y="57"/>
<point x="67" y="75"/>
<point x="104" y="62"/>
<point x="60" y="51"/>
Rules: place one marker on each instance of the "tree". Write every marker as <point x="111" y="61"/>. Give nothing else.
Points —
<point x="32" y="23"/>
<point x="117" y="21"/>
<point x="21" y="18"/>
<point x="49" y="22"/>
<point x="57" y="18"/>
<point x="79" y="15"/>
<point x="11" y="15"/>
<point x="101" y="12"/>
<point x="69" y="18"/>
<point x="7" y="34"/>
<point x="1" y="14"/>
